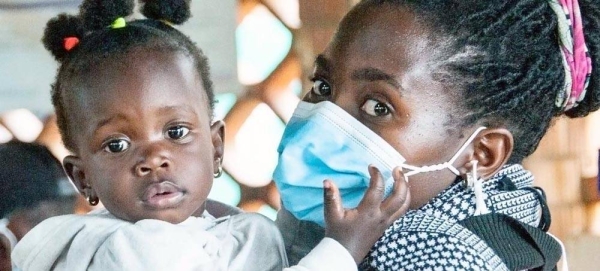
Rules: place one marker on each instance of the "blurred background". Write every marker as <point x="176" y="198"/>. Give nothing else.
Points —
<point x="261" y="54"/>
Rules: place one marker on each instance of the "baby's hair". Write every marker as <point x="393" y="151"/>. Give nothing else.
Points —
<point x="97" y="41"/>
<point x="505" y="57"/>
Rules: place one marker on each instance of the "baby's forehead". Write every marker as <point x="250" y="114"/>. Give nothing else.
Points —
<point x="144" y="77"/>
<point x="140" y="65"/>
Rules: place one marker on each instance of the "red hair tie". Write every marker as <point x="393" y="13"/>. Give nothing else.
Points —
<point x="70" y="42"/>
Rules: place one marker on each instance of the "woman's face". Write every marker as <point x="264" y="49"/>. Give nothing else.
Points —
<point x="379" y="69"/>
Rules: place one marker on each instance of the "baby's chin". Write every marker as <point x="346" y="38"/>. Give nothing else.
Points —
<point x="173" y="216"/>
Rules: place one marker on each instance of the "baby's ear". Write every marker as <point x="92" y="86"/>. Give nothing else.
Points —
<point x="74" y="168"/>
<point x="492" y="149"/>
<point x="217" y="130"/>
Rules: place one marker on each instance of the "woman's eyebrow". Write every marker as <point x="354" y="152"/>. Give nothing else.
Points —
<point x="374" y="74"/>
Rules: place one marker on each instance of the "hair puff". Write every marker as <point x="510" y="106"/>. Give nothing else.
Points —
<point x="100" y="14"/>
<point x="174" y="11"/>
<point x="59" y="28"/>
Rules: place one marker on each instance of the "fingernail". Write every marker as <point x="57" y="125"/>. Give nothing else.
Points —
<point x="398" y="174"/>
<point x="372" y="169"/>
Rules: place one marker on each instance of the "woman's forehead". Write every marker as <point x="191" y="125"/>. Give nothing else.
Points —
<point x="383" y="26"/>
<point x="386" y="39"/>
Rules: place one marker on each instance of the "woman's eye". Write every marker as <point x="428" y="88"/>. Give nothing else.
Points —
<point x="116" y="146"/>
<point x="178" y="132"/>
<point x="321" y="88"/>
<point x="375" y="108"/>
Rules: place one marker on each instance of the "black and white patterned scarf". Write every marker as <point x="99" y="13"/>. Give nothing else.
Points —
<point x="430" y="238"/>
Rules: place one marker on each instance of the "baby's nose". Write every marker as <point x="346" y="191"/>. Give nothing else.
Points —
<point x="155" y="159"/>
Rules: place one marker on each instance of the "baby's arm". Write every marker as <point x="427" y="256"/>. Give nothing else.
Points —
<point x="350" y="234"/>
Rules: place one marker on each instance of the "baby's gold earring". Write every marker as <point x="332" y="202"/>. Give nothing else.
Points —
<point x="90" y="197"/>
<point x="219" y="168"/>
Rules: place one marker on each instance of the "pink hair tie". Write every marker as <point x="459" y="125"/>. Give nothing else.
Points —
<point x="578" y="63"/>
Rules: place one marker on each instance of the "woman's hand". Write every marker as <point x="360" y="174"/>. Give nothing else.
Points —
<point x="359" y="228"/>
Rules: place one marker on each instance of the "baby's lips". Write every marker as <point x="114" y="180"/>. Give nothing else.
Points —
<point x="161" y="188"/>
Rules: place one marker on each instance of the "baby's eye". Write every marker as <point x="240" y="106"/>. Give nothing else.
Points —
<point x="178" y="132"/>
<point x="375" y="108"/>
<point x="321" y="88"/>
<point x="116" y="145"/>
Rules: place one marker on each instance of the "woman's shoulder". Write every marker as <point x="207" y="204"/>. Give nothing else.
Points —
<point x="420" y="240"/>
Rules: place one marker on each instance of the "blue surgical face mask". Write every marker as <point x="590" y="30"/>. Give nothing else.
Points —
<point x="322" y="141"/>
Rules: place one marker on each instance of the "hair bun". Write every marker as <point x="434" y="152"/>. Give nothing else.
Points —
<point x="590" y="12"/>
<point x="59" y="28"/>
<point x="174" y="11"/>
<point x="100" y="14"/>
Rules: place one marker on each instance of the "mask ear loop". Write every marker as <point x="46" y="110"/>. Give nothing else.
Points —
<point x="480" y="195"/>
<point x="414" y="170"/>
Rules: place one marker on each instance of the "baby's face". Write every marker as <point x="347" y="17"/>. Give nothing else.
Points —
<point x="145" y="142"/>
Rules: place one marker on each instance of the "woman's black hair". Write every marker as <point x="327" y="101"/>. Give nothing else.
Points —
<point x="98" y="41"/>
<point x="505" y="57"/>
